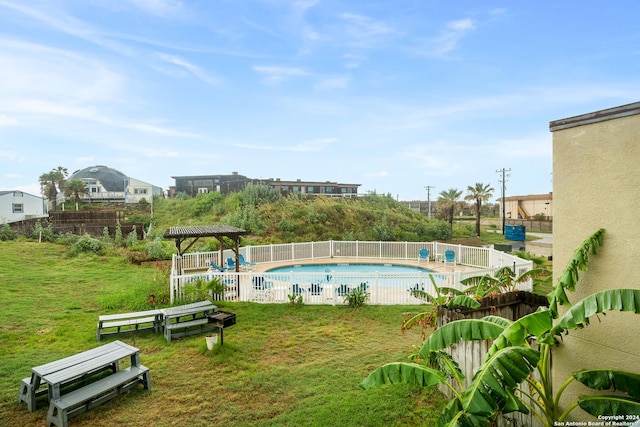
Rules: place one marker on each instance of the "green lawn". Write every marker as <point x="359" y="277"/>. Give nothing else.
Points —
<point x="280" y="365"/>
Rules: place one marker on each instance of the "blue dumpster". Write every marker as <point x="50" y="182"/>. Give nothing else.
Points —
<point x="515" y="232"/>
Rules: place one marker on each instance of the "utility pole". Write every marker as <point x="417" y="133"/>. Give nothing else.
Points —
<point x="429" y="187"/>
<point x="504" y="187"/>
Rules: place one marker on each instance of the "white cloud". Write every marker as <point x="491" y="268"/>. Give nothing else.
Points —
<point x="7" y="121"/>
<point x="380" y="174"/>
<point x="83" y="160"/>
<point x="365" y="32"/>
<point x="450" y="38"/>
<point x="158" y="7"/>
<point x="333" y="83"/>
<point x="192" y="69"/>
<point x="69" y="25"/>
<point x="274" y="75"/>
<point x="353" y="60"/>
<point x="306" y="146"/>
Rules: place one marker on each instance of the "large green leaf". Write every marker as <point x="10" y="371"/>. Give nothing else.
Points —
<point x="443" y="362"/>
<point x="465" y="329"/>
<point x="607" y="379"/>
<point x="600" y="302"/>
<point x="480" y="280"/>
<point x="492" y="388"/>
<point x="537" y="324"/>
<point x="403" y="373"/>
<point x="462" y="301"/>
<point x="569" y="277"/>
<point x="454" y="416"/>
<point x="498" y="320"/>
<point x="609" y="405"/>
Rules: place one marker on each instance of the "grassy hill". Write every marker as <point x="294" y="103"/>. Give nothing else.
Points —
<point x="271" y="218"/>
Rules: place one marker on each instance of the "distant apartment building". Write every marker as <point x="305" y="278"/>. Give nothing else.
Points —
<point x="533" y="206"/>
<point x="226" y="184"/>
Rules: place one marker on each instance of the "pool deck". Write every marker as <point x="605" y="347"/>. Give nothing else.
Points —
<point x="430" y="265"/>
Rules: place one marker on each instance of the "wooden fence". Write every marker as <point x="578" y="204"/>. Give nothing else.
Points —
<point x="470" y="354"/>
<point x="92" y="222"/>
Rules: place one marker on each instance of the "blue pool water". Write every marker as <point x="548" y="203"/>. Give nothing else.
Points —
<point x="349" y="268"/>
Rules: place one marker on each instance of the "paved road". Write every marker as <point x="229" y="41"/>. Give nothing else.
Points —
<point x="544" y="237"/>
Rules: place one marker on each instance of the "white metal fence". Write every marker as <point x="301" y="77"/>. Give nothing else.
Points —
<point x="320" y="288"/>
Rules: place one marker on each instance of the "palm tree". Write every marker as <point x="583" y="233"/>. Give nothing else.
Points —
<point x="51" y="181"/>
<point x="479" y="193"/>
<point x="75" y="188"/>
<point x="449" y="198"/>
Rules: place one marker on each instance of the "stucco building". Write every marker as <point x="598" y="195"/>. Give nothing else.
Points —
<point x="596" y="184"/>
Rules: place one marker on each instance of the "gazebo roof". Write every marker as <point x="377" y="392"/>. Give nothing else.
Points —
<point x="179" y="234"/>
<point x="204" y="231"/>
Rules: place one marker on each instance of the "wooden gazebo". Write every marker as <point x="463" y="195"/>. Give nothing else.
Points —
<point x="181" y="234"/>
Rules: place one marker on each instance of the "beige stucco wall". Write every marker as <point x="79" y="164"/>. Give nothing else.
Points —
<point x="596" y="184"/>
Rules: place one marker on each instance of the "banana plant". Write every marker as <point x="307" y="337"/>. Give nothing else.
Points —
<point x="516" y="372"/>
<point x="503" y="280"/>
<point x="444" y="296"/>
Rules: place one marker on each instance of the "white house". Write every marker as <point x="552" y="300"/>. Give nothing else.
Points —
<point x="138" y="190"/>
<point x="17" y="206"/>
<point x="105" y="184"/>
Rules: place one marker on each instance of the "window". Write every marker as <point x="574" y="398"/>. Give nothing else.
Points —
<point x="310" y="189"/>
<point x="203" y="190"/>
<point x="140" y="191"/>
<point x="296" y="188"/>
<point x="17" y="208"/>
<point x="329" y="190"/>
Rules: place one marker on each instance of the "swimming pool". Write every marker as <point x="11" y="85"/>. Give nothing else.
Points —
<point x="387" y="275"/>
<point x="385" y="283"/>
<point x="350" y="268"/>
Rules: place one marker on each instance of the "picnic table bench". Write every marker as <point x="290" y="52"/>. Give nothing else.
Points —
<point x="63" y="381"/>
<point x="129" y="322"/>
<point x="188" y="319"/>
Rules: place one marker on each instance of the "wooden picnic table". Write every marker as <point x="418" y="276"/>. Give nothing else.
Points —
<point x="74" y="368"/>
<point x="188" y="319"/>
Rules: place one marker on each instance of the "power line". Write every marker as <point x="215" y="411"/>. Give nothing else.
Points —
<point x="428" y="188"/>
<point x="504" y="187"/>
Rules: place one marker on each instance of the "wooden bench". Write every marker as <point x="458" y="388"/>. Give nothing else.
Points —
<point x="52" y="378"/>
<point x="188" y="319"/>
<point x="129" y="322"/>
<point x="96" y="393"/>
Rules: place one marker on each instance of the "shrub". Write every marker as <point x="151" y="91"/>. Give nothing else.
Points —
<point x="439" y="230"/>
<point x="7" y="233"/>
<point x="205" y="202"/>
<point x="254" y="195"/>
<point x="181" y="195"/>
<point x="118" y="240"/>
<point x="138" y="257"/>
<point x="247" y="218"/>
<point x="132" y="238"/>
<point x="44" y="234"/>
<point x="357" y="297"/>
<point x="156" y="249"/>
<point x="67" y="239"/>
<point x="285" y="225"/>
<point x="86" y="243"/>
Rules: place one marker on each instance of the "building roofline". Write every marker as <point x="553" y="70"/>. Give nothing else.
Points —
<point x="595" y="117"/>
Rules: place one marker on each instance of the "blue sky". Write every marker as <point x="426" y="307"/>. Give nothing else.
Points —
<point x="394" y="95"/>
